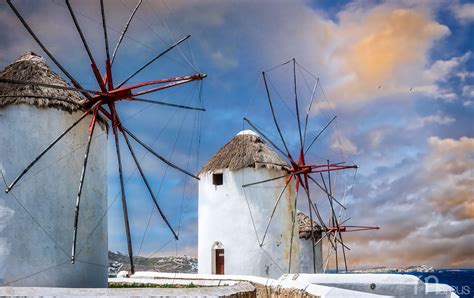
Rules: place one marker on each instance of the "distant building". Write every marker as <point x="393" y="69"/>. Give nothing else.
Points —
<point x="306" y="244"/>
<point x="233" y="218"/>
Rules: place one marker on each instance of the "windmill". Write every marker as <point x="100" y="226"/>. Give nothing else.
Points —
<point x="303" y="171"/>
<point x="102" y="104"/>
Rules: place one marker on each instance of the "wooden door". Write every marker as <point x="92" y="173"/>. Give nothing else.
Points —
<point x="219" y="261"/>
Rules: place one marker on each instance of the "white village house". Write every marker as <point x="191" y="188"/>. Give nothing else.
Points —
<point x="233" y="218"/>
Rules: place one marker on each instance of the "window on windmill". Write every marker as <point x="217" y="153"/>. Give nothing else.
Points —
<point x="217" y="179"/>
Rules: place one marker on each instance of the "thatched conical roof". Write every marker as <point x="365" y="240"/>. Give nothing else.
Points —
<point x="245" y="150"/>
<point x="304" y="224"/>
<point x="32" y="67"/>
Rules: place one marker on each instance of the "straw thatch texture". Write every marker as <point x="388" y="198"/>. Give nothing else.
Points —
<point x="245" y="151"/>
<point x="33" y="68"/>
<point x="304" y="224"/>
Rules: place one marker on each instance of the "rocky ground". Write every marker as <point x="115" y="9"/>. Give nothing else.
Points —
<point x="180" y="264"/>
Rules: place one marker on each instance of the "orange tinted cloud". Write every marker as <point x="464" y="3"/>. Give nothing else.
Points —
<point x="429" y="218"/>
<point x="383" y="51"/>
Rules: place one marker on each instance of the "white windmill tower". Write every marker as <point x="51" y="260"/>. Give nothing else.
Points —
<point x="233" y="219"/>
<point x="36" y="218"/>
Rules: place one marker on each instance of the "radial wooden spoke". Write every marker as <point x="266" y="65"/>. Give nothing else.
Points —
<point x="81" y="184"/>
<point x="265" y="181"/>
<point x="104" y="27"/>
<point x="94" y="67"/>
<point x="317" y="136"/>
<point x="309" y="111"/>
<point x="38" y="41"/>
<point x="164" y="87"/>
<point x="274" y="116"/>
<point x="158" y="155"/>
<point x="39" y="84"/>
<point x="329" y="195"/>
<point x="125" y="28"/>
<point x="166" y="104"/>
<point x="273" y="211"/>
<point x="153" y="60"/>
<point x="124" y="201"/>
<point x="37" y="158"/>
<point x="333" y="222"/>
<point x="343" y="251"/>
<point x="84" y="42"/>
<point x="265" y="137"/>
<point x="336" y="221"/>
<point x="320" y="219"/>
<point x="293" y="221"/>
<point x="108" y="66"/>
<point x="342" y="244"/>
<point x="297" y="105"/>
<point x="152" y="195"/>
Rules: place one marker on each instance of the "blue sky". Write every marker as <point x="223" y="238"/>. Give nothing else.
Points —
<point x="398" y="74"/>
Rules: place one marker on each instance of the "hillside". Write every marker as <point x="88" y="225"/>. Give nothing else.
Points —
<point x="180" y="264"/>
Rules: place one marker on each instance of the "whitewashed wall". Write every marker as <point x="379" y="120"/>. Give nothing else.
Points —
<point x="306" y="256"/>
<point x="49" y="191"/>
<point x="224" y="216"/>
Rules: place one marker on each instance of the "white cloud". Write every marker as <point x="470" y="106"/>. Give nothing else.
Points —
<point x="342" y="143"/>
<point x="440" y="70"/>
<point x="421" y="122"/>
<point x="463" y="75"/>
<point x="468" y="91"/>
<point x="464" y="13"/>
<point x="427" y="199"/>
<point x="223" y="61"/>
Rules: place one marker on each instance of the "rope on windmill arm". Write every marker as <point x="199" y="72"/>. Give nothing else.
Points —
<point x="144" y="45"/>
<point x="170" y="33"/>
<point x="309" y="107"/>
<point x="126" y="183"/>
<point x="33" y="274"/>
<point x="162" y="181"/>
<point x="86" y="46"/>
<point x="186" y="178"/>
<point x="34" y="219"/>
<point x="245" y="194"/>
<point x="124" y="30"/>
<point x="275" y="206"/>
<point x="193" y="59"/>
<point x="161" y="53"/>
<point x="273" y="260"/>
<point x="280" y="97"/>
<point x="68" y="154"/>
<point x="166" y="168"/>
<point x="279" y="65"/>
<point x="166" y="104"/>
<point x="42" y="46"/>
<point x="152" y="255"/>
<point x="297" y="104"/>
<point x="352" y="191"/>
<point x="147" y="184"/>
<point x="266" y="138"/>
<point x="275" y="121"/>
<point x="322" y="91"/>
